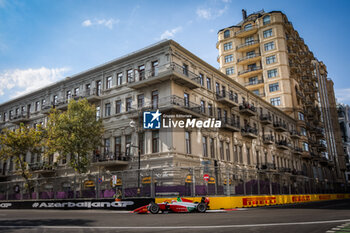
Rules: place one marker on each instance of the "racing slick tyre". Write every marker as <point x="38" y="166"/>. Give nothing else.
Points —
<point x="201" y="207"/>
<point x="153" y="208"/>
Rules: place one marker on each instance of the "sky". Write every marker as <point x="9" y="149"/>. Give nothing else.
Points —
<point x="43" y="41"/>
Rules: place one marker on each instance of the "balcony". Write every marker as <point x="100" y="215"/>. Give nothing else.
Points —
<point x="230" y="124"/>
<point x="254" y="83"/>
<point x="22" y="118"/>
<point x="321" y="147"/>
<point x="249" y="59"/>
<point x="93" y="95"/>
<point x="250" y="45"/>
<point x="42" y="167"/>
<point x="280" y="127"/>
<point x="282" y="145"/>
<point x="45" y="109"/>
<point x="297" y="173"/>
<point x="295" y="134"/>
<point x="250" y="71"/>
<point x="171" y="71"/>
<point x="177" y="104"/>
<point x="227" y="98"/>
<point x="247" y="109"/>
<point x="306" y="155"/>
<point x="249" y="132"/>
<point x="62" y="104"/>
<point x="284" y="170"/>
<point x="268" y="166"/>
<point x="246" y="31"/>
<point x="265" y="119"/>
<point x="110" y="159"/>
<point x="268" y="139"/>
<point x="297" y="151"/>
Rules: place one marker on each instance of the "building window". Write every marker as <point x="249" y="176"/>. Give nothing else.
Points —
<point x="305" y="146"/>
<point x="275" y="101"/>
<point x="230" y="70"/>
<point x="129" y="76"/>
<point x="155" y="68"/>
<point x="272" y="73"/>
<point x="302" y="131"/>
<point x="118" y="106"/>
<point x="141" y="72"/>
<point x="210" y="109"/>
<point x="248" y="27"/>
<point x="128" y="102"/>
<point x="185" y="69"/>
<point x="108" y="82"/>
<point x="154" y="99"/>
<point x="76" y="91"/>
<point x="68" y="95"/>
<point x="253" y="80"/>
<point x="228" y="46"/>
<point x="228" y="58"/>
<point x="140" y="101"/>
<point x="248" y="156"/>
<point x="267" y="33"/>
<point x="228" y="154"/>
<point x="127" y="145"/>
<point x="118" y="147"/>
<point x="256" y="92"/>
<point x="221" y="149"/>
<point x="269" y="46"/>
<point x="37" y="106"/>
<point x="141" y="143"/>
<point x="107" y="109"/>
<point x="235" y="154"/>
<point x="98" y="112"/>
<point x="266" y="20"/>
<point x="201" y="79"/>
<point x="119" y="79"/>
<point x="98" y="87"/>
<point x="226" y="34"/>
<point x="271" y="59"/>
<point x="202" y="106"/>
<point x="155" y="141"/>
<point x="188" y="142"/>
<point x="274" y="87"/>
<point x="186" y="100"/>
<point x="107" y="145"/>
<point x="55" y="100"/>
<point x="301" y="116"/>
<point x="43" y="103"/>
<point x="87" y="89"/>
<point x="208" y="83"/>
<point x="205" y="146"/>
<point x="212" y="148"/>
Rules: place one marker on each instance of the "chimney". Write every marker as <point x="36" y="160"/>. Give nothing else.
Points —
<point x="244" y="14"/>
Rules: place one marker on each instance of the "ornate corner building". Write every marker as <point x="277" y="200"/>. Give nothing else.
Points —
<point x="265" y="54"/>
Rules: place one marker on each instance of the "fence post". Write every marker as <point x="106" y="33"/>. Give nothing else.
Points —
<point x="123" y="187"/>
<point x="7" y="191"/>
<point x="75" y="186"/>
<point x="270" y="183"/>
<point x="258" y="181"/>
<point x="193" y="183"/>
<point x="244" y="184"/>
<point x="97" y="187"/>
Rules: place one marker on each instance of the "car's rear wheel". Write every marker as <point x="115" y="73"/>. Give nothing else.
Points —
<point x="201" y="207"/>
<point x="153" y="208"/>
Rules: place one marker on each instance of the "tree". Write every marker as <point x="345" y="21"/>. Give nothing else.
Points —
<point x="75" y="132"/>
<point x="16" y="144"/>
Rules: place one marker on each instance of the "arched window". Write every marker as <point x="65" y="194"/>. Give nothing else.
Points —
<point x="266" y="20"/>
<point x="248" y="27"/>
<point x="226" y="34"/>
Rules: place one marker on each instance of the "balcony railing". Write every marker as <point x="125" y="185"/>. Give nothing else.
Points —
<point x="268" y="166"/>
<point x="255" y="82"/>
<point x="245" y="30"/>
<point x="279" y="126"/>
<point x="266" y="119"/>
<point x="294" y="134"/>
<point x="109" y="156"/>
<point x="229" y="98"/>
<point x="268" y="139"/>
<point x="249" y="43"/>
<point x="248" y="57"/>
<point x="282" y="144"/>
<point x="249" y="70"/>
<point x="250" y="132"/>
<point x="248" y="109"/>
<point x="230" y="123"/>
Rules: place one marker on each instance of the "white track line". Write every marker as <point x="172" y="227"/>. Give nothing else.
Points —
<point x="179" y="227"/>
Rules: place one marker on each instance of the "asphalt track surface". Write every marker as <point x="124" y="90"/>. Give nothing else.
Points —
<point x="307" y="217"/>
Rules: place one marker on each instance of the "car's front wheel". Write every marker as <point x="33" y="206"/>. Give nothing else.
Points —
<point x="201" y="207"/>
<point x="153" y="208"/>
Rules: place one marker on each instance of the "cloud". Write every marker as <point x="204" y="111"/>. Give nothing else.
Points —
<point x="170" y="33"/>
<point x="209" y="13"/>
<point x="24" y="81"/>
<point x="343" y="95"/>
<point x="109" y="23"/>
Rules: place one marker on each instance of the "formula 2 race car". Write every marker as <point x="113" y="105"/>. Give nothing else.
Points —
<point x="180" y="205"/>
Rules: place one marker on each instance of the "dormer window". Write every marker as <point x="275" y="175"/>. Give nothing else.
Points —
<point x="248" y="27"/>
<point x="266" y="20"/>
<point x="226" y="34"/>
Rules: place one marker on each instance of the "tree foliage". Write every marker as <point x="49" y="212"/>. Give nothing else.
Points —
<point x="16" y="144"/>
<point x="75" y="132"/>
